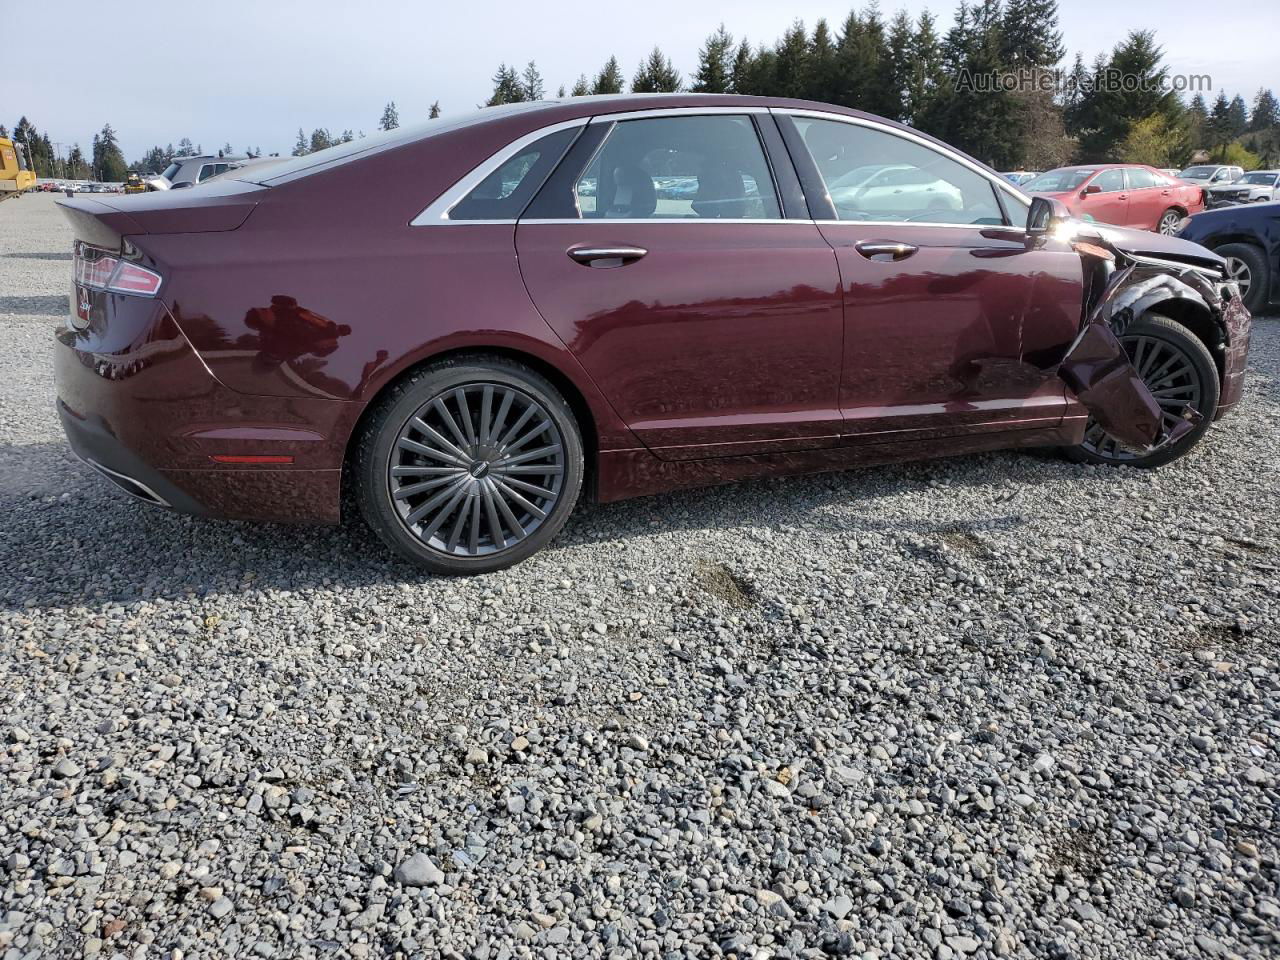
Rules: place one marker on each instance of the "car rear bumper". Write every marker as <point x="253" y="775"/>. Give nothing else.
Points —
<point x="139" y="405"/>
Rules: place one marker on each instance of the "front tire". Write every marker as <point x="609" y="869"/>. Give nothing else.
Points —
<point x="1179" y="371"/>
<point x="469" y="465"/>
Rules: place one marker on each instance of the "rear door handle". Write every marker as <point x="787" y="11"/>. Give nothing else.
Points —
<point x="606" y="256"/>
<point x="885" y="250"/>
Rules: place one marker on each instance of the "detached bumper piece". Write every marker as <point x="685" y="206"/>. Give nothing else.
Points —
<point x="1099" y="372"/>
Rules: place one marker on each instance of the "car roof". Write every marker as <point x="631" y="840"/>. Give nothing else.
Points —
<point x="541" y="113"/>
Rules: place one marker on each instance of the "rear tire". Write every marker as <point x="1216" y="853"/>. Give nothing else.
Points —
<point x="1247" y="266"/>
<point x="1178" y="369"/>
<point x="469" y="465"/>
<point x="1167" y="225"/>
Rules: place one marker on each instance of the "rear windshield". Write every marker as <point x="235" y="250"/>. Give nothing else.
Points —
<point x="375" y="142"/>
<point x="171" y="170"/>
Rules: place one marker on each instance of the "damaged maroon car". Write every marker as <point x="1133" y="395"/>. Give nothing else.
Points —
<point x="466" y="324"/>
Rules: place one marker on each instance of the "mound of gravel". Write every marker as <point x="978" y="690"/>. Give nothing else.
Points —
<point x="994" y="706"/>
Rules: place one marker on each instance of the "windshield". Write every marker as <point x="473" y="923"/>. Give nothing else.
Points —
<point x="1259" y="177"/>
<point x="171" y="171"/>
<point x="1058" y="181"/>
<point x="1197" y="173"/>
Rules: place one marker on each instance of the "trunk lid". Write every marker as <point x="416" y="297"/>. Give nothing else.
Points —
<point x="210" y="208"/>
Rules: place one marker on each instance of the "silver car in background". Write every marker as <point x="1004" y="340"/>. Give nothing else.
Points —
<point x="1257" y="186"/>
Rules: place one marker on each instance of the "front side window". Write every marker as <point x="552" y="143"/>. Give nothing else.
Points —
<point x="679" y="168"/>
<point x="506" y="191"/>
<point x="874" y="175"/>
<point x="1109" y="181"/>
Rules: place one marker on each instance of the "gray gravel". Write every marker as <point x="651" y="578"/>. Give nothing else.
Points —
<point x="995" y="706"/>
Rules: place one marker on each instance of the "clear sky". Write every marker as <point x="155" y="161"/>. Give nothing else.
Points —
<point x="253" y="72"/>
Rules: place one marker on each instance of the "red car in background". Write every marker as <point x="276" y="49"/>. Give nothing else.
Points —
<point x="1124" y="194"/>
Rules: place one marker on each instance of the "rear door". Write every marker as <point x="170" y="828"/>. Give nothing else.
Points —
<point x="951" y="318"/>
<point x="663" y="253"/>
<point x="1149" y="197"/>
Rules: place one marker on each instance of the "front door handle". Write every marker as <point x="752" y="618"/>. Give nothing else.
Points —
<point x="606" y="256"/>
<point x="885" y="250"/>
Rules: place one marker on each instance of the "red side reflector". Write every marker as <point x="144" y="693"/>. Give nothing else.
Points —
<point x="229" y="458"/>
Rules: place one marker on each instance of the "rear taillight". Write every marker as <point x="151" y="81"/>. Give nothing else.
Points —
<point x="100" y="269"/>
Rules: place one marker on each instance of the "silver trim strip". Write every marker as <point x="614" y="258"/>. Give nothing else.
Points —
<point x="120" y="479"/>
<point x="438" y="212"/>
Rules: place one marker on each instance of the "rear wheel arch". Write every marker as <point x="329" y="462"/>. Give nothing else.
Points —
<point x="572" y="394"/>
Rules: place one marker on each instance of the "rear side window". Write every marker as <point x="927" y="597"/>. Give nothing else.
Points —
<point x="873" y="175"/>
<point x="1141" y="178"/>
<point x="679" y="168"/>
<point x="506" y="191"/>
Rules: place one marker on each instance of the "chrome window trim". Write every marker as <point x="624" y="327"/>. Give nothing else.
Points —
<point x="634" y="221"/>
<point x="437" y="213"/>
<point x="994" y="179"/>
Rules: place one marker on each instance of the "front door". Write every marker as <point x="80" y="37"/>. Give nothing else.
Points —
<point x="953" y="323"/>
<point x="713" y="325"/>
<point x="1109" y="203"/>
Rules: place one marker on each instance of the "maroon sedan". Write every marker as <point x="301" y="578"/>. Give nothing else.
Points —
<point x="465" y="324"/>
<point x="1124" y="194"/>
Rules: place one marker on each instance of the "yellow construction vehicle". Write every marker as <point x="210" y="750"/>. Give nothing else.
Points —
<point x="16" y="177"/>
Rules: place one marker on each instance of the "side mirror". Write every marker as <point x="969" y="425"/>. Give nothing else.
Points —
<point x="1092" y="188"/>
<point x="1044" y="213"/>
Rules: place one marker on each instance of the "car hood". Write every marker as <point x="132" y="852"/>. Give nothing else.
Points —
<point x="1144" y="243"/>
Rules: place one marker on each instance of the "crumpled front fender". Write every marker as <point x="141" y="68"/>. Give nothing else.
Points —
<point x="1099" y="372"/>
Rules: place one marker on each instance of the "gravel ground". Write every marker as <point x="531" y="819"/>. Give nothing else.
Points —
<point x="993" y="706"/>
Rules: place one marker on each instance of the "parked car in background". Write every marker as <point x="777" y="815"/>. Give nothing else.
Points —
<point x="1124" y="194"/>
<point x="1169" y="171"/>
<point x="1247" y="237"/>
<point x="1256" y="186"/>
<point x="467" y="353"/>
<point x="1210" y="174"/>
<point x="188" y="171"/>
<point x="1019" y="177"/>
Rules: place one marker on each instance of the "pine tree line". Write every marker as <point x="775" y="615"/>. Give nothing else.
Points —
<point x="909" y="70"/>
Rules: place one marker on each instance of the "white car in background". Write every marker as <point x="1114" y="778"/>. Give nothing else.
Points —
<point x="892" y="190"/>
<point x="1256" y="186"/>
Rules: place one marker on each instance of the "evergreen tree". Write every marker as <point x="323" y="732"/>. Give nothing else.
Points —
<point x="227" y="150"/>
<point x="656" y="75"/>
<point x="580" y="87"/>
<point x="1266" y="112"/>
<point x="300" y="148"/>
<point x="927" y="76"/>
<point x="1030" y="34"/>
<point x="1109" y="112"/>
<point x="1237" y="117"/>
<point x="320" y="140"/>
<point x="185" y="148"/>
<point x="108" y="161"/>
<point x="347" y="136"/>
<point x="433" y="113"/>
<point x="507" y="87"/>
<point x="609" y="79"/>
<point x="531" y="82"/>
<point x="715" y="64"/>
<point x="740" y="76"/>
<point x="791" y="69"/>
<point x="820" y="73"/>
<point x="1197" y="121"/>
<point x="390" y="117"/>
<point x="77" y="168"/>
<point x="560" y="92"/>
<point x="1219" y="126"/>
<point x="901" y="62"/>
